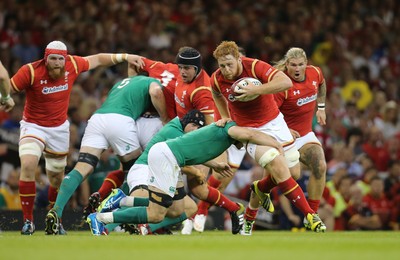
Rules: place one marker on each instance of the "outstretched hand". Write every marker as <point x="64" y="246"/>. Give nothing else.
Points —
<point x="321" y="117"/>
<point x="247" y="91"/>
<point x="222" y="122"/>
<point x="7" y="105"/>
<point x="136" y="61"/>
<point x="223" y="168"/>
<point x="294" y="133"/>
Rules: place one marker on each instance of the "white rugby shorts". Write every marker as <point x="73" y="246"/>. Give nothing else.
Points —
<point x="55" y="139"/>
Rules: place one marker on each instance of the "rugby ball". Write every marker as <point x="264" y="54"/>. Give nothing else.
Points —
<point x="244" y="82"/>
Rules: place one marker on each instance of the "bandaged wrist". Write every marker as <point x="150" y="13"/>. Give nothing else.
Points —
<point x="5" y="98"/>
<point x="119" y="57"/>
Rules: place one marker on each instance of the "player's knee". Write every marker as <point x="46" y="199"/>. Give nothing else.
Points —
<point x="56" y="165"/>
<point x="180" y="193"/>
<point x="31" y="148"/>
<point x="268" y="157"/>
<point x="295" y="171"/>
<point x="292" y="157"/>
<point x="174" y="212"/>
<point x="319" y="170"/>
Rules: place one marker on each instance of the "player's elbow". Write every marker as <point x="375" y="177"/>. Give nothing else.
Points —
<point x="284" y="80"/>
<point x="156" y="91"/>
<point x="287" y="83"/>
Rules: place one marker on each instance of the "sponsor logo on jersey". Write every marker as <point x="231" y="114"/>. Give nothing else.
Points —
<point x="43" y="81"/>
<point x="296" y="92"/>
<point x="306" y="100"/>
<point x="51" y="90"/>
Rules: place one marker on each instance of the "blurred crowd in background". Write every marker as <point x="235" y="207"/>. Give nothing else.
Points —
<point x="356" y="43"/>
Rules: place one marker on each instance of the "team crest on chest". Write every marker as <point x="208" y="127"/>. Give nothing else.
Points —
<point x="314" y="83"/>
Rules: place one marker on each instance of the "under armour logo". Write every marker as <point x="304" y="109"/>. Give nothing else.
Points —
<point x="296" y="199"/>
<point x="43" y="81"/>
<point x="296" y="92"/>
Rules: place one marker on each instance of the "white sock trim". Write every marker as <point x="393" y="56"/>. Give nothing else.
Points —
<point x="105" y="218"/>
<point x="127" y="202"/>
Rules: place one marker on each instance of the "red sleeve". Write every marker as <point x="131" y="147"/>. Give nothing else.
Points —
<point x="22" y="79"/>
<point x="202" y="100"/>
<point x="81" y="63"/>
<point x="148" y="64"/>
<point x="264" y="71"/>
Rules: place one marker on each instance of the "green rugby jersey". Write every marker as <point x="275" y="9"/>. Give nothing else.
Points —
<point x="170" y="131"/>
<point x="129" y="97"/>
<point x="202" y="145"/>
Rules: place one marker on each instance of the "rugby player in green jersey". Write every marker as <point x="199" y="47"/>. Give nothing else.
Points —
<point x="112" y="125"/>
<point x="138" y="180"/>
<point x="165" y="160"/>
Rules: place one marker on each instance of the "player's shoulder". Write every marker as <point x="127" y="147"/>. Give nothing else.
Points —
<point x="202" y="80"/>
<point x="151" y="64"/>
<point x="39" y="64"/>
<point x="216" y="75"/>
<point x="248" y="60"/>
<point x="313" y="69"/>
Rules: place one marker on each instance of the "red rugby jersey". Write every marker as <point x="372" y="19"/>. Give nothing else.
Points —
<point x="167" y="73"/>
<point x="47" y="100"/>
<point x="195" y="95"/>
<point x="253" y="113"/>
<point x="298" y="103"/>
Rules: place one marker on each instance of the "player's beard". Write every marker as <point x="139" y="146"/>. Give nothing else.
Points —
<point x="56" y="73"/>
<point x="234" y="74"/>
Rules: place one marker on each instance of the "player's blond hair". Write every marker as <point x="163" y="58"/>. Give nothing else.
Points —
<point x="292" y="53"/>
<point x="226" y="48"/>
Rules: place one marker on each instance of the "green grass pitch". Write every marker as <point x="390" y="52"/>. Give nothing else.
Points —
<point x="209" y="245"/>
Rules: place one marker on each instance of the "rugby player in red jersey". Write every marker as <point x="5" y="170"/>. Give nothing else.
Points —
<point x="261" y="113"/>
<point x="44" y="127"/>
